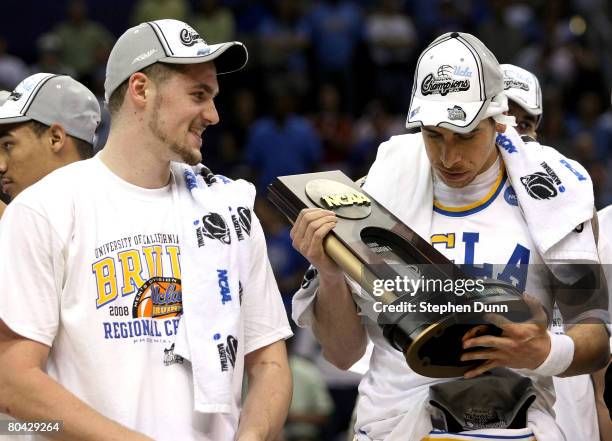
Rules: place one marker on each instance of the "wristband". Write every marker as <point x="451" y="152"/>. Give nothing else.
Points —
<point x="559" y="358"/>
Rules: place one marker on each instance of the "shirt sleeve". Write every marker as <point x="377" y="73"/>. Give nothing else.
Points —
<point x="265" y="318"/>
<point x="302" y="304"/>
<point x="577" y="246"/>
<point x="583" y="292"/>
<point x="31" y="268"/>
<point x="303" y="300"/>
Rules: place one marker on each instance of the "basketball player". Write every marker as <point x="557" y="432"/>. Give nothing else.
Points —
<point x="575" y="396"/>
<point x="449" y="184"/>
<point x="54" y="128"/>
<point x="58" y="128"/>
<point x="524" y="99"/>
<point x="144" y="290"/>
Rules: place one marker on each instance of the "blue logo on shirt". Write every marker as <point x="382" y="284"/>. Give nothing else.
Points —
<point x="224" y="288"/>
<point x="510" y="196"/>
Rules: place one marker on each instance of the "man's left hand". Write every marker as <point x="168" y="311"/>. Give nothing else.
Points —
<point x="522" y="345"/>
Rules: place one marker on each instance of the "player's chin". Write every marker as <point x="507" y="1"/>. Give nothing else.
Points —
<point x="187" y="152"/>
<point x="12" y="192"/>
<point x="192" y="156"/>
<point x="458" y="180"/>
<point x="459" y="184"/>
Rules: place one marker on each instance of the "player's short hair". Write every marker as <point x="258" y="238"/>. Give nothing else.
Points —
<point x="84" y="149"/>
<point x="158" y="72"/>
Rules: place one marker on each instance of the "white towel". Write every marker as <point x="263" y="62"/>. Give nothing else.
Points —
<point x="402" y="164"/>
<point x="214" y="253"/>
<point x="555" y="194"/>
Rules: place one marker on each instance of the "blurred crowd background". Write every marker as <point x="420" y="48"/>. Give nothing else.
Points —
<point x="326" y="83"/>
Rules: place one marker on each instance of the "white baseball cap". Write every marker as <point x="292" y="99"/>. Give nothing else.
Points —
<point x="167" y="41"/>
<point x="49" y="99"/>
<point x="457" y="83"/>
<point x="522" y="87"/>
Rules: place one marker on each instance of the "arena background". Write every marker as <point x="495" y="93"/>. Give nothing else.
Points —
<point x="326" y="82"/>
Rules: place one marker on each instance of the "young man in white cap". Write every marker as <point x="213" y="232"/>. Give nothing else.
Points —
<point x="47" y="122"/>
<point x="524" y="99"/>
<point x="464" y="182"/>
<point x="145" y="289"/>
<point x="575" y="396"/>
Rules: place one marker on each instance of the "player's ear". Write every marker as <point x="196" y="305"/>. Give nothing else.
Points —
<point x="138" y="90"/>
<point x="57" y="137"/>
<point x="500" y="128"/>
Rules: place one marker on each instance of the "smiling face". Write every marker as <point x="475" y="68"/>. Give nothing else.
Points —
<point x="182" y="109"/>
<point x="24" y="158"/>
<point x="458" y="158"/>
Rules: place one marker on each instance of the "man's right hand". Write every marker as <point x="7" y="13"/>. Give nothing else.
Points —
<point x="336" y="323"/>
<point x="309" y="230"/>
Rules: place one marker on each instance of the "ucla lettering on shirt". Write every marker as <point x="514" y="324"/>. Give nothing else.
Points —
<point x="489" y="239"/>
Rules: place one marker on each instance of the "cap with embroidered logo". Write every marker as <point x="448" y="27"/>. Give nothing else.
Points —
<point x="522" y="87"/>
<point x="54" y="99"/>
<point x="167" y="41"/>
<point x="457" y="83"/>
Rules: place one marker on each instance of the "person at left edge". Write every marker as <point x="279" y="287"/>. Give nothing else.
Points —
<point x="58" y="127"/>
<point x="4" y="94"/>
<point x="139" y="284"/>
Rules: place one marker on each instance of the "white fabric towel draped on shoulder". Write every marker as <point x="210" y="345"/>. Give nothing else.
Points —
<point x="210" y="278"/>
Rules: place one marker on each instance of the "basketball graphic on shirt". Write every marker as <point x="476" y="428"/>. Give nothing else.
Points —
<point x="539" y="186"/>
<point x="215" y="227"/>
<point x="142" y="306"/>
<point x="159" y="298"/>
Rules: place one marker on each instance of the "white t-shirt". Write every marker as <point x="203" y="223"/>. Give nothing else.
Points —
<point x="94" y="265"/>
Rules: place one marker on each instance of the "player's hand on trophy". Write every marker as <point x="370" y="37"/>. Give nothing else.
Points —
<point x="308" y="233"/>
<point x="522" y="345"/>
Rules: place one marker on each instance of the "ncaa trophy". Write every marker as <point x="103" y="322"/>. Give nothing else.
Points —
<point x="369" y="243"/>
